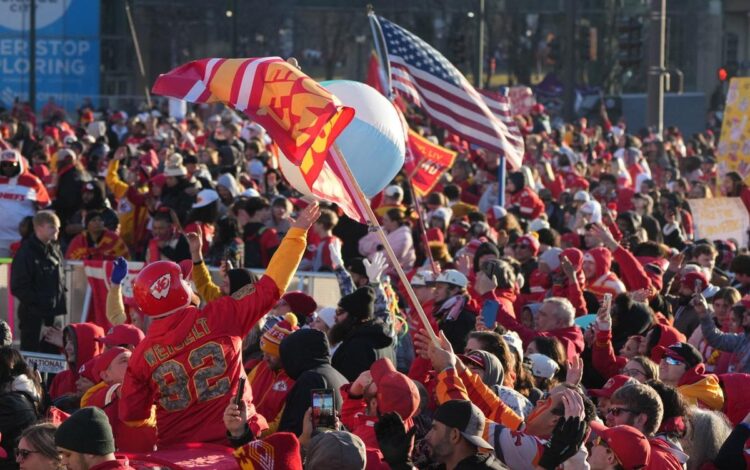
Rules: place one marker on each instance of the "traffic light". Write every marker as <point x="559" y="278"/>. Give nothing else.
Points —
<point x="630" y="42"/>
<point x="727" y="71"/>
<point x="722" y="74"/>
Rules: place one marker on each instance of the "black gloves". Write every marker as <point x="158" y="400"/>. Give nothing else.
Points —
<point x="565" y="441"/>
<point x="395" y="443"/>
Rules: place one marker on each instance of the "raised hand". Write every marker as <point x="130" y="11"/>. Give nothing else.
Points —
<point x="235" y="418"/>
<point x="442" y="356"/>
<point x="575" y="371"/>
<point x="464" y="264"/>
<point x="699" y="305"/>
<point x="376" y="267"/>
<point x="195" y="242"/>
<point x="119" y="271"/>
<point x="308" y="216"/>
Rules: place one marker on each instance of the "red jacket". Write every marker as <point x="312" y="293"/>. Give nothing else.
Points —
<point x="189" y="365"/>
<point x="270" y="389"/>
<point x="528" y="202"/>
<point x="632" y="273"/>
<point x="363" y="426"/>
<point x="86" y="348"/>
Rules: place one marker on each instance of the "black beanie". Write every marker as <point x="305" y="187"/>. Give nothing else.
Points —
<point x="87" y="431"/>
<point x="357" y="266"/>
<point x="359" y="304"/>
<point x="239" y="278"/>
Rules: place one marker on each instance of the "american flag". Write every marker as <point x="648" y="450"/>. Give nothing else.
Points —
<point x="423" y="75"/>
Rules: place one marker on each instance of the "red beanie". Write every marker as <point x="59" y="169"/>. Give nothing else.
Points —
<point x="602" y="258"/>
<point x="300" y="303"/>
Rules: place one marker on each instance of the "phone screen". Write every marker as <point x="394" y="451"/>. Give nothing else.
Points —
<point x="323" y="408"/>
<point x="489" y="313"/>
<point x="240" y="391"/>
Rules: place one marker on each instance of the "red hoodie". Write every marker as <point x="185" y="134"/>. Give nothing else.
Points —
<point x="86" y="348"/>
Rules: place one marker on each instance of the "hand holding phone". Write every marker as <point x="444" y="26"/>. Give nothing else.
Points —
<point x="323" y="408"/>
<point x="489" y="313"/>
<point x="240" y="391"/>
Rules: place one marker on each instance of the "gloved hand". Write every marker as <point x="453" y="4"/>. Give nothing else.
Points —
<point x="337" y="259"/>
<point x="565" y="442"/>
<point x="375" y="268"/>
<point x="395" y="443"/>
<point x="119" y="271"/>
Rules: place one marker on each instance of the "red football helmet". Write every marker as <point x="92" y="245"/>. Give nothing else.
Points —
<point x="161" y="288"/>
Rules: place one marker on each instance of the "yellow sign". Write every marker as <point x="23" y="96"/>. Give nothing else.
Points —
<point x="733" y="151"/>
<point x="720" y="219"/>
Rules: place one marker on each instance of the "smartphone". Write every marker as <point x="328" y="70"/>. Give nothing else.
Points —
<point x="323" y="408"/>
<point x="607" y="301"/>
<point x="240" y="391"/>
<point x="489" y="313"/>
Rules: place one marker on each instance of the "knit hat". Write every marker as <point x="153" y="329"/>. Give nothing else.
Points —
<point x="271" y="339"/>
<point x="602" y="259"/>
<point x="118" y="335"/>
<point x="396" y="392"/>
<point x="328" y="315"/>
<point x="87" y="431"/>
<point x="360" y="303"/>
<point x="278" y="451"/>
<point x="103" y="361"/>
<point x="336" y="449"/>
<point x="6" y="337"/>
<point x="174" y="166"/>
<point x="357" y="266"/>
<point x="239" y="278"/>
<point x="300" y="303"/>
<point x="551" y="258"/>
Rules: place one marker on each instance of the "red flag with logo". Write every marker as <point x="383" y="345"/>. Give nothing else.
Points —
<point x="428" y="163"/>
<point x="98" y="274"/>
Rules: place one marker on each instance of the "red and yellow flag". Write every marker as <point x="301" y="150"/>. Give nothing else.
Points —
<point x="428" y="163"/>
<point x="301" y="116"/>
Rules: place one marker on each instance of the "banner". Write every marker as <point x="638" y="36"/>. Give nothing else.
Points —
<point x="720" y="219"/>
<point x="45" y="363"/>
<point x="301" y="116"/>
<point x="98" y="274"/>
<point x="67" y="52"/>
<point x="733" y="152"/>
<point x="429" y="163"/>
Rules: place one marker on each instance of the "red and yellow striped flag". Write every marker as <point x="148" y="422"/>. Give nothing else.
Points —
<point x="301" y="116"/>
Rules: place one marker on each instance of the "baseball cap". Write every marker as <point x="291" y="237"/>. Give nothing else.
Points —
<point x="394" y="191"/>
<point x="396" y="392"/>
<point x="693" y="277"/>
<point x="614" y="383"/>
<point x="442" y="213"/>
<point x="628" y="444"/>
<point x="466" y="417"/>
<point x="422" y="278"/>
<point x="684" y="352"/>
<point x="529" y="242"/>
<point x="122" y="334"/>
<point x="104" y="360"/>
<point x="471" y="359"/>
<point x="205" y="197"/>
<point x="453" y="277"/>
<point x="542" y="366"/>
<point x="9" y="155"/>
<point x="582" y="196"/>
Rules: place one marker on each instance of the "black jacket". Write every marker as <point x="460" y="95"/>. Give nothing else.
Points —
<point x="479" y="462"/>
<point x="365" y="344"/>
<point x="305" y="357"/>
<point x="17" y="412"/>
<point x="37" y="279"/>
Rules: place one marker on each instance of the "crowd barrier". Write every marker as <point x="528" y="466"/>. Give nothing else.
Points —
<point x="323" y="287"/>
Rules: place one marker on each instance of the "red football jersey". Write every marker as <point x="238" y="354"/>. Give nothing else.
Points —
<point x="189" y="365"/>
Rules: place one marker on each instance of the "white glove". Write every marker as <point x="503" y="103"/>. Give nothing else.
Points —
<point x="376" y="267"/>
<point x="334" y="249"/>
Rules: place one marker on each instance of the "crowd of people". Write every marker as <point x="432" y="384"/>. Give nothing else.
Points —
<point x="582" y="324"/>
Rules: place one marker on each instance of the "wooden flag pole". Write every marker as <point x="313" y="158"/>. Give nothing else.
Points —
<point x="389" y="251"/>
<point x="423" y="228"/>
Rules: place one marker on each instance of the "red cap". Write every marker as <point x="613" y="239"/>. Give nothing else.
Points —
<point x="629" y="445"/>
<point x="300" y="303"/>
<point x="530" y="241"/>
<point x="126" y="334"/>
<point x="472" y="359"/>
<point x="692" y="278"/>
<point x="87" y="370"/>
<point x="396" y="392"/>
<point x="572" y="239"/>
<point x="103" y="361"/>
<point x="614" y="383"/>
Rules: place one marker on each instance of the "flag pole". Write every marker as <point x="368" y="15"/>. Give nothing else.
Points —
<point x="422" y="228"/>
<point x="384" y="240"/>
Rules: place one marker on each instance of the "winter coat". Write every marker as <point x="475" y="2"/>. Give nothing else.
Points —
<point x="366" y="343"/>
<point x="306" y="360"/>
<point x="37" y="279"/>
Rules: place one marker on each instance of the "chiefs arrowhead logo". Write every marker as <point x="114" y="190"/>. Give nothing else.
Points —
<point x="160" y="287"/>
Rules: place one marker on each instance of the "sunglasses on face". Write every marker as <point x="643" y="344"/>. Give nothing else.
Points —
<point x="24" y="454"/>
<point x="617" y="411"/>
<point x="672" y="361"/>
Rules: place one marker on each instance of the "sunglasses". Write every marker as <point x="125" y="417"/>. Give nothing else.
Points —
<point x="632" y="372"/>
<point x="25" y="453"/>
<point x="617" y="411"/>
<point x="672" y="361"/>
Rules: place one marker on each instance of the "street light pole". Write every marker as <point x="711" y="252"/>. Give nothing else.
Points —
<point x="569" y="59"/>
<point x="656" y="69"/>
<point x="479" y="66"/>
